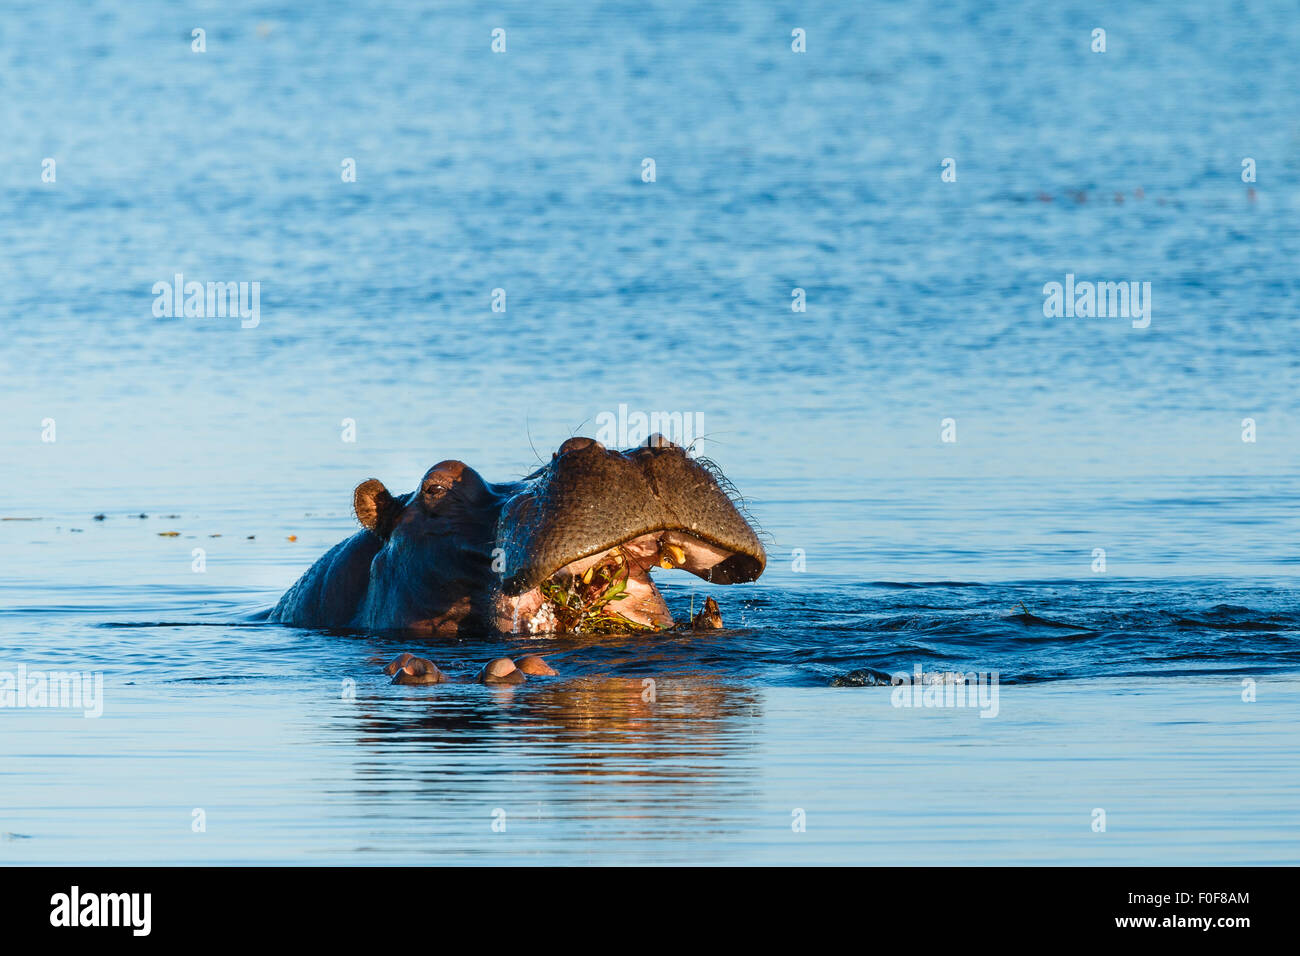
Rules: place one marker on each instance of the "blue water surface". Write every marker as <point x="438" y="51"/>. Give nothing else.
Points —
<point x="1113" y="530"/>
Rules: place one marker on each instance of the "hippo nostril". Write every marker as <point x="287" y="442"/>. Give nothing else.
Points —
<point x="580" y="443"/>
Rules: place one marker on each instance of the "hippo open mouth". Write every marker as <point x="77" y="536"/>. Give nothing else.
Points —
<point x="583" y="542"/>
<point x="569" y="548"/>
<point x="612" y="590"/>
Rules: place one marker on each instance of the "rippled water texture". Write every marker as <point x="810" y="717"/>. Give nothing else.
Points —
<point x="1162" y="689"/>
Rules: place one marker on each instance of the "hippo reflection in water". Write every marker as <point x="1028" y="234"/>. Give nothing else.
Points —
<point x="569" y="548"/>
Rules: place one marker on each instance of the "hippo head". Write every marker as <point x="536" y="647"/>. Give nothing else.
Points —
<point x="569" y="548"/>
<point x="595" y="517"/>
<point x="432" y="569"/>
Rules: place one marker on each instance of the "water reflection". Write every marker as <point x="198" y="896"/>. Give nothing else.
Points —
<point x="561" y="765"/>
<point x="590" y="725"/>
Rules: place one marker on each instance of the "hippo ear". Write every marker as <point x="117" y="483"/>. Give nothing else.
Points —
<point x="376" y="509"/>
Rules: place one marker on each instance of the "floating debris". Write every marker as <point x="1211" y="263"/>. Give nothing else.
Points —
<point x="169" y="534"/>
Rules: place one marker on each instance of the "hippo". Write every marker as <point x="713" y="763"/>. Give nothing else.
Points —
<point x="566" y="549"/>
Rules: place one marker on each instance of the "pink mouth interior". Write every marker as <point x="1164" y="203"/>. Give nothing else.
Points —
<point x="530" y="612"/>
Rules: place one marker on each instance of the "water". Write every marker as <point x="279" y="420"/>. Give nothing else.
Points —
<point x="1119" y="689"/>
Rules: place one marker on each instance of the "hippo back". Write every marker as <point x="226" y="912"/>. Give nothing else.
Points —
<point x="331" y="591"/>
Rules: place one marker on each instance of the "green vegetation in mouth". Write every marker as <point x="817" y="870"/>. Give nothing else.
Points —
<point x="583" y="603"/>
